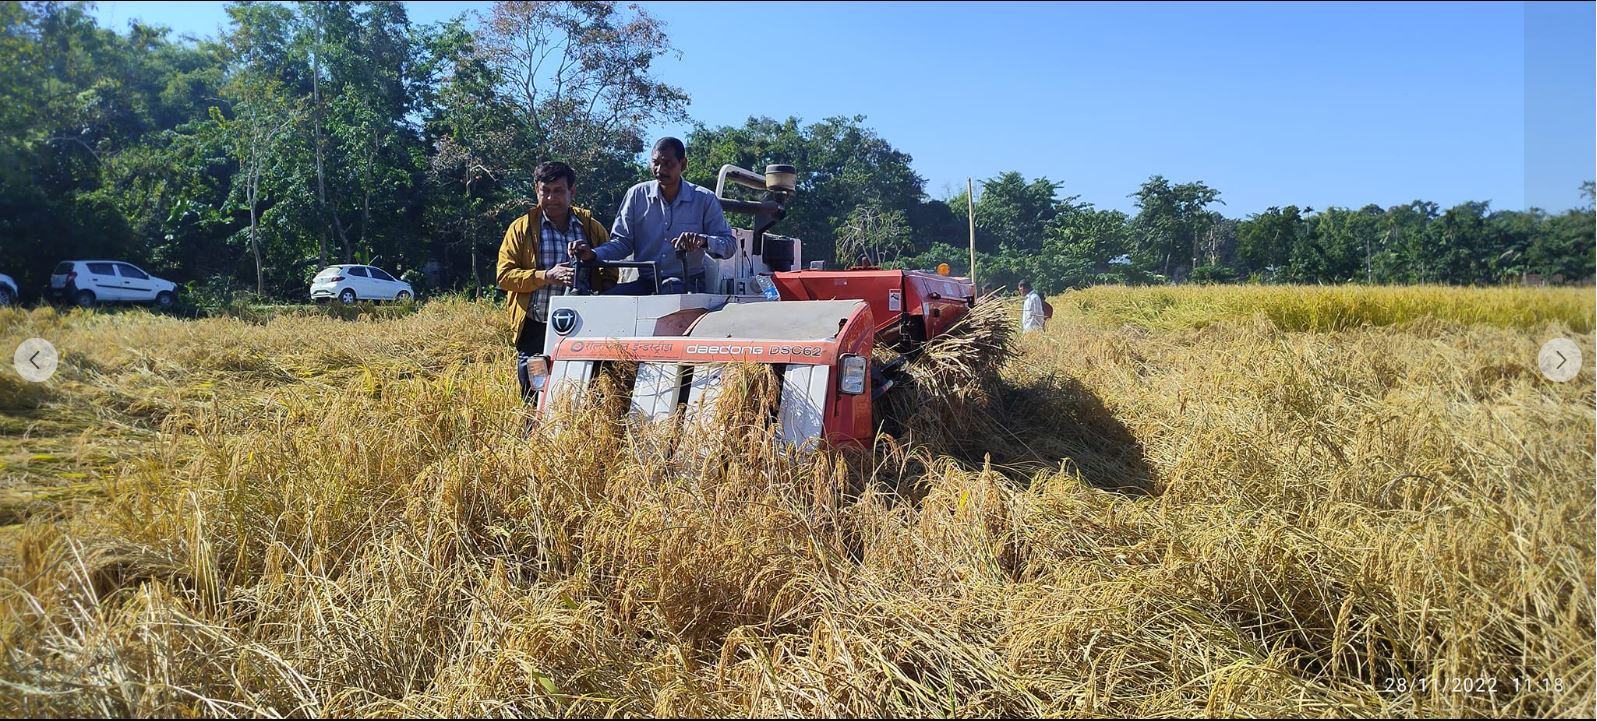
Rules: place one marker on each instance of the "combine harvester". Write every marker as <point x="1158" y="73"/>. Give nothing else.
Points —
<point x="816" y="329"/>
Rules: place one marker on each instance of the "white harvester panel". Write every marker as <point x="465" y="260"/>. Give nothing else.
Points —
<point x="625" y="316"/>
<point x="703" y="391"/>
<point x="804" y="391"/>
<point x="658" y="385"/>
<point x="568" y="377"/>
<point x="813" y="320"/>
<point x="801" y="409"/>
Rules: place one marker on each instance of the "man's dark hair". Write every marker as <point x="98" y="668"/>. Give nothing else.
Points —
<point x="672" y="144"/>
<point x="1025" y="284"/>
<point x="554" y="170"/>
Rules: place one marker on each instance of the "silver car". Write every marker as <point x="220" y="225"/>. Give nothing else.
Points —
<point x="86" y="282"/>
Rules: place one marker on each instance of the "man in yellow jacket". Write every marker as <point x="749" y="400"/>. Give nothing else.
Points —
<point x="534" y="261"/>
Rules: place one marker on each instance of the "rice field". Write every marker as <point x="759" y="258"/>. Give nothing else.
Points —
<point x="1216" y="501"/>
<point x="1334" y="308"/>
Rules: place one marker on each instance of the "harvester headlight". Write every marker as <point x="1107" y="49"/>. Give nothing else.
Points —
<point x="538" y="371"/>
<point x="853" y="382"/>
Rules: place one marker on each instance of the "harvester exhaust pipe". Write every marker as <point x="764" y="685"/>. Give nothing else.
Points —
<point x="780" y="183"/>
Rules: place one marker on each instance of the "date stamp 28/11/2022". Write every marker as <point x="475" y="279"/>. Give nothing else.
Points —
<point x="1475" y="685"/>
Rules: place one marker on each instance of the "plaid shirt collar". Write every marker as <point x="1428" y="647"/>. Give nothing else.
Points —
<point x="553" y="242"/>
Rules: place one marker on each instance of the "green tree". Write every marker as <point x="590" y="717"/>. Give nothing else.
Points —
<point x="1564" y="246"/>
<point x="1084" y="246"/>
<point x="1405" y="256"/>
<point x="934" y="221"/>
<point x="841" y="166"/>
<point x="1510" y="234"/>
<point x="1011" y="213"/>
<point x="263" y="115"/>
<point x="1458" y="244"/>
<point x="472" y="132"/>
<point x="581" y="77"/>
<point x="874" y="234"/>
<point x="1333" y="246"/>
<point x="76" y="103"/>
<point x="1170" y="220"/>
<point x="359" y="60"/>
<point x="261" y="109"/>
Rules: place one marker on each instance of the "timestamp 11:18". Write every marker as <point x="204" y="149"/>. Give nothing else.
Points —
<point x="1473" y="685"/>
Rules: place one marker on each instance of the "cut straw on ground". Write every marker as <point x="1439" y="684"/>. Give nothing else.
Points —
<point x="1200" y="513"/>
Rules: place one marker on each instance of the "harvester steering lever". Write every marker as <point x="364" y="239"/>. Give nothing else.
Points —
<point x="583" y="272"/>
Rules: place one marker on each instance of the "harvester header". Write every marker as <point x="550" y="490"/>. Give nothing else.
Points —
<point x="818" y="334"/>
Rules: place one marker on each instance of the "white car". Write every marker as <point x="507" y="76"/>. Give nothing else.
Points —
<point x="8" y="290"/>
<point x="86" y="282"/>
<point x="350" y="283"/>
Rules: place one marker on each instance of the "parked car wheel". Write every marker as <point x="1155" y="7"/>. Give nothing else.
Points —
<point x="85" y="299"/>
<point x="348" y="296"/>
<point x="403" y="297"/>
<point x="165" y="299"/>
<point x="5" y="296"/>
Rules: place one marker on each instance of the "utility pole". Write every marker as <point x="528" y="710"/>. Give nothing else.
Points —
<point x="970" y="200"/>
<point x="1369" y="271"/>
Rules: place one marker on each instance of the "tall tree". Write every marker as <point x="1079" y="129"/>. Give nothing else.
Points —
<point x="1169" y="222"/>
<point x="1083" y="246"/>
<point x="472" y="133"/>
<point x="359" y="61"/>
<point x="263" y="114"/>
<point x="1459" y="244"/>
<point x="1407" y="258"/>
<point x="581" y="76"/>
<point x="934" y="221"/>
<point x="842" y="166"/>
<point x="873" y="234"/>
<point x="1012" y="213"/>
<point x="262" y="78"/>
<point x="1564" y="246"/>
<point x="1332" y="246"/>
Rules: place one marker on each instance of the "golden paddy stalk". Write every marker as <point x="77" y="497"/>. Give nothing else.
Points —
<point x="1332" y="308"/>
<point x="1220" y="509"/>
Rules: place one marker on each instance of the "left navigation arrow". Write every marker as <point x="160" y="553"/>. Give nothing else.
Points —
<point x="36" y="360"/>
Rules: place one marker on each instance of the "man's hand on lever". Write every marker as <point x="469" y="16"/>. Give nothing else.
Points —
<point x="689" y="241"/>
<point x="581" y="251"/>
<point x="561" y="274"/>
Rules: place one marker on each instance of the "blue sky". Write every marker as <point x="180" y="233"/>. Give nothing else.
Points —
<point x="1273" y="104"/>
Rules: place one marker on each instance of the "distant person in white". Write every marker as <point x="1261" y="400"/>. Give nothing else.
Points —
<point x="1031" y="315"/>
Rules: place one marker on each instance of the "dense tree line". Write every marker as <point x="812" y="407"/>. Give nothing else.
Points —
<point x="310" y="134"/>
<point x="1026" y="229"/>
<point x="324" y="132"/>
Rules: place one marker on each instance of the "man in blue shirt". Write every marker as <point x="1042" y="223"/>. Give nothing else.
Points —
<point x="669" y="221"/>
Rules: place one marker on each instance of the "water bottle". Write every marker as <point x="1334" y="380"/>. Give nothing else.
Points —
<point x="767" y="286"/>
